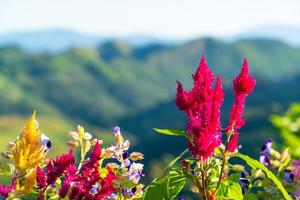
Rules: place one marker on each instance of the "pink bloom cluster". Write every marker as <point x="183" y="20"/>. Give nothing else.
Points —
<point x="202" y="105"/>
<point x="5" y="190"/>
<point x="296" y="170"/>
<point x="84" y="185"/>
<point x="243" y="85"/>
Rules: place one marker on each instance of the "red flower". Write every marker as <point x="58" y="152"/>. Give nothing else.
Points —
<point x="5" y="190"/>
<point x="243" y="85"/>
<point x="70" y="176"/>
<point x="107" y="187"/>
<point x="40" y="178"/>
<point x="87" y="178"/>
<point x="57" y="167"/>
<point x="94" y="157"/>
<point x="233" y="143"/>
<point x="183" y="100"/>
<point x="202" y="106"/>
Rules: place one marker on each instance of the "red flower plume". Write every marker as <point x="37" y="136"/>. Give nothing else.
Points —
<point x="202" y="105"/>
<point x="243" y="85"/>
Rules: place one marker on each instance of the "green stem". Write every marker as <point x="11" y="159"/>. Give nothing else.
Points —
<point x="82" y="155"/>
<point x="203" y="181"/>
<point x="223" y="162"/>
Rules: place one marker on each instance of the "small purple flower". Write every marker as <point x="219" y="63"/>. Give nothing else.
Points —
<point x="266" y="147"/>
<point x="127" y="192"/>
<point x="116" y="130"/>
<point x="113" y="196"/>
<point x="288" y="176"/>
<point x="181" y="198"/>
<point x="244" y="182"/>
<point x="94" y="188"/>
<point x="45" y="142"/>
<point x="127" y="163"/>
<point x="264" y="159"/>
<point x="133" y="190"/>
<point x="297" y="193"/>
<point x="125" y="154"/>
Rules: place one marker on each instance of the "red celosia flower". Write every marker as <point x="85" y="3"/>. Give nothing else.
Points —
<point x="94" y="157"/>
<point x="70" y="176"/>
<point x="243" y="85"/>
<point x="91" y="169"/>
<point x="202" y="106"/>
<point x="57" y="167"/>
<point x="233" y="143"/>
<point x="5" y="190"/>
<point x="107" y="187"/>
<point x="40" y="178"/>
<point x="88" y="177"/>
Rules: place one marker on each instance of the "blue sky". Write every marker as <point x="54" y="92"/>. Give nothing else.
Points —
<point x="175" y="18"/>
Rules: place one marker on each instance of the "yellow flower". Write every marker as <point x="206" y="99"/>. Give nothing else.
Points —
<point x="26" y="181"/>
<point x="27" y="156"/>
<point x="29" y="152"/>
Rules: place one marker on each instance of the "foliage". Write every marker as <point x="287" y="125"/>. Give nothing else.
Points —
<point x="289" y="126"/>
<point x="99" y="173"/>
<point x="254" y="164"/>
<point x="100" y="89"/>
<point x="210" y="173"/>
<point x="114" y="173"/>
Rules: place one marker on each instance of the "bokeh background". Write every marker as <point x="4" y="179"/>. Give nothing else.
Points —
<point x="113" y="63"/>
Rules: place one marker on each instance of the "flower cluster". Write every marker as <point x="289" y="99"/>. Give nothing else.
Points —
<point x="281" y="164"/>
<point x="129" y="171"/>
<point x="202" y="105"/>
<point x="100" y="174"/>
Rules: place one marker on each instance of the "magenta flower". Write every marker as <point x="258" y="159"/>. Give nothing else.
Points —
<point x="296" y="170"/>
<point x="243" y="85"/>
<point x="107" y="187"/>
<point x="70" y="176"/>
<point x="5" y="190"/>
<point x="202" y="105"/>
<point x="57" y="167"/>
<point x="40" y="178"/>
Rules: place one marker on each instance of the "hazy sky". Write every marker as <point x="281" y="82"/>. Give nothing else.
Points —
<point x="176" y="18"/>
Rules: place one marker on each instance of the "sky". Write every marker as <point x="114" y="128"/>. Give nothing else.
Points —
<point x="170" y="18"/>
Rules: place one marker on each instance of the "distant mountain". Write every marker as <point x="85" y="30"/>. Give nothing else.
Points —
<point x="290" y="35"/>
<point x="114" y="80"/>
<point x="116" y="83"/>
<point x="57" y="40"/>
<point x="49" y="40"/>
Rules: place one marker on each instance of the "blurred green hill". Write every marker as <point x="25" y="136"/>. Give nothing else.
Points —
<point x="134" y="87"/>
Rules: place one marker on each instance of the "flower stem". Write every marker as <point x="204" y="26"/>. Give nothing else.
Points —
<point x="203" y="180"/>
<point x="223" y="163"/>
<point x="202" y="187"/>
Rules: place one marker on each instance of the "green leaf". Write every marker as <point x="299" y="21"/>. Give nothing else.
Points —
<point x="257" y="165"/>
<point x="175" y="160"/>
<point x="235" y="177"/>
<point x="250" y="196"/>
<point x="166" y="187"/>
<point x="235" y="191"/>
<point x="128" y="185"/>
<point x="174" y="132"/>
<point x="230" y="190"/>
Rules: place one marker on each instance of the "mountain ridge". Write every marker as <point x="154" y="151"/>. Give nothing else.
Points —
<point x="57" y="40"/>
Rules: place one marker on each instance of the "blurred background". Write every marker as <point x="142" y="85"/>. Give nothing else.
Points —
<point x="114" y="63"/>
